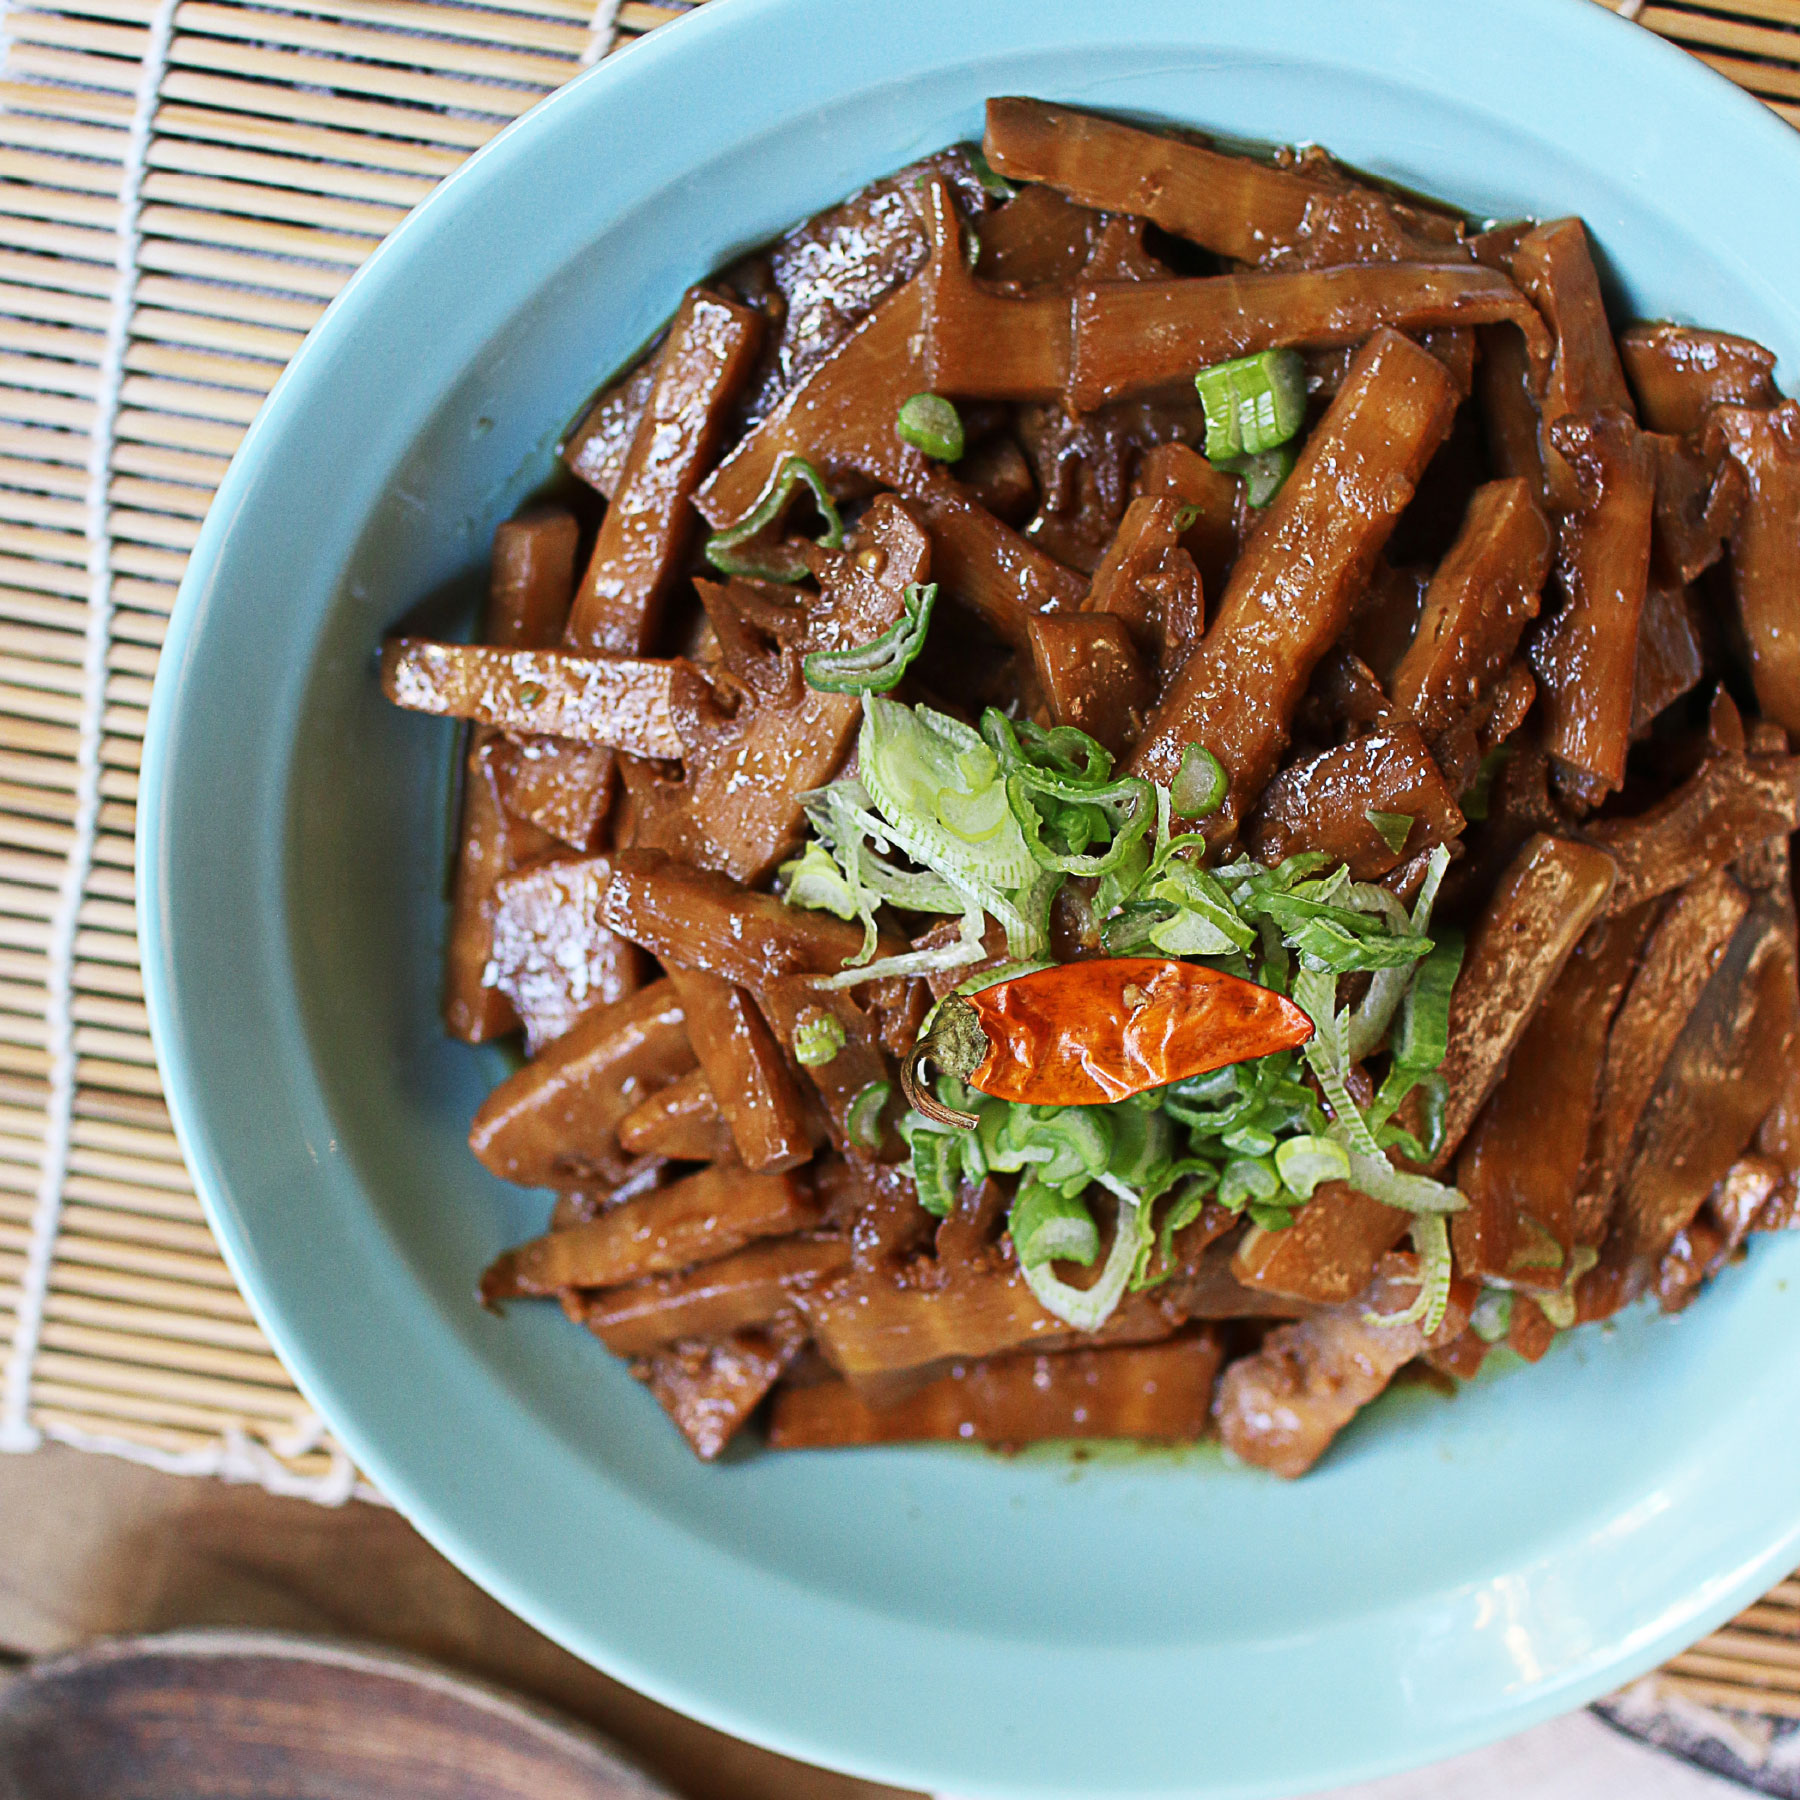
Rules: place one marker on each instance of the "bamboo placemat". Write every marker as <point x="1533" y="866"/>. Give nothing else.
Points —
<point x="184" y="185"/>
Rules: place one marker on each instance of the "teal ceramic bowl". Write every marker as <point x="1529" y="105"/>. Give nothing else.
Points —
<point x="1135" y="1623"/>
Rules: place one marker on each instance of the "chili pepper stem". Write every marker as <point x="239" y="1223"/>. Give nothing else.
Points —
<point x="957" y="1046"/>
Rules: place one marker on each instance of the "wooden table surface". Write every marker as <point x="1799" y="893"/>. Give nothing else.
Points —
<point x="92" y="1547"/>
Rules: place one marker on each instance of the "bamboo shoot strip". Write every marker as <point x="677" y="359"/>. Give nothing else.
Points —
<point x="702" y="920"/>
<point x="736" y="806"/>
<point x="649" y="528"/>
<point x="1480" y="599"/>
<point x="532" y="576"/>
<point x="1333" y="803"/>
<point x="1280" y="1408"/>
<point x="1677" y="962"/>
<point x="680" y="1121"/>
<point x="745" y="1069"/>
<point x="1549" y="896"/>
<point x="618" y="700"/>
<point x="1330" y="1252"/>
<point x="1135" y="336"/>
<point x="1765" y="551"/>
<point x="1679" y="373"/>
<point x="1292" y="590"/>
<point x="703" y="1216"/>
<point x="552" y="958"/>
<point x="752" y="1287"/>
<point x="1521" y="1164"/>
<point x="1726" y="807"/>
<point x="1724" y="1074"/>
<point x="1158" y="1393"/>
<point x="1586" y="657"/>
<point x="1553" y="266"/>
<point x="1239" y="207"/>
<point x="554" y="1123"/>
<point x="711" y="1389"/>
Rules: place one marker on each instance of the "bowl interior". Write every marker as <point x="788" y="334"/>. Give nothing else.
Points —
<point x="1128" y="1621"/>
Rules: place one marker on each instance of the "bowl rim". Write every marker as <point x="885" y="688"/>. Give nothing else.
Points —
<point x="1576" y="25"/>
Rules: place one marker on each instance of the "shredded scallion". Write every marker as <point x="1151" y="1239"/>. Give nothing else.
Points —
<point x="877" y="666"/>
<point x="747" y="548"/>
<point x="818" y="1037"/>
<point x="1199" y="785"/>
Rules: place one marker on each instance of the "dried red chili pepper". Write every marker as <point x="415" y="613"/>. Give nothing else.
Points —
<point x="1084" y="1033"/>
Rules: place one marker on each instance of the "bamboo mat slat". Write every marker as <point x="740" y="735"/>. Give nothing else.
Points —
<point x="184" y="186"/>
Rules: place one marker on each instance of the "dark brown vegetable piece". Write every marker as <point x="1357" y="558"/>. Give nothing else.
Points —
<point x="1148" y="580"/>
<point x="492" y="844"/>
<point x="1679" y="960"/>
<point x="1521" y="1164"/>
<point x="1158" y="1393"/>
<point x="711" y="349"/>
<point x="617" y="700"/>
<point x="1586" y="657"/>
<point x="681" y="1120"/>
<point x="711" y="1389"/>
<point x="1328" y="1254"/>
<point x="1092" y="676"/>
<point x="1726" y="1070"/>
<point x="1729" y="805"/>
<point x="551" y="956"/>
<point x="1325" y="803"/>
<point x="1700" y="495"/>
<point x="1765" y="552"/>
<point x="1281" y="1407"/>
<point x="736" y="805"/>
<point x="752" y="1287"/>
<point x="532" y="575"/>
<point x="597" y="447"/>
<point x="1132" y="336"/>
<point x="746" y="1070"/>
<point x="703" y="1216"/>
<point x="1293" y="588"/>
<point x="554" y="1123"/>
<point x="1180" y="473"/>
<point x="1476" y="608"/>
<point x="1670" y="661"/>
<point x="1037" y="239"/>
<point x="1551" y="894"/>
<point x="1679" y="373"/>
<point x="702" y="920"/>
<point x="1241" y="208"/>
<point x="1553" y="265"/>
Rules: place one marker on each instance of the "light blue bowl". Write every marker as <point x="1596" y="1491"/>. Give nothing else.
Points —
<point x="1135" y="1623"/>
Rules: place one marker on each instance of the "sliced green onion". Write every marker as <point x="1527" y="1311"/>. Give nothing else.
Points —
<point x="1392" y="828"/>
<point x="1375" y="1176"/>
<point x="1491" y="1318"/>
<point x="990" y="178"/>
<point x="733" y="551"/>
<point x="936" y="1164"/>
<point x="1263" y="475"/>
<point x="1087" y="1309"/>
<point x="1474" y="804"/>
<point x="1431" y="1239"/>
<point x="1303" y="1162"/>
<point x="1270" y="1218"/>
<point x="932" y="425"/>
<point x="876" y="666"/>
<point x="1247" y="1179"/>
<point x="924" y="772"/>
<point x="814" y="882"/>
<point x="862" y="1118"/>
<point x="818" y="1037"/>
<point x="1047" y="1226"/>
<point x="1423" y="1034"/>
<point x="1199" y="785"/>
<point x="1253" y="403"/>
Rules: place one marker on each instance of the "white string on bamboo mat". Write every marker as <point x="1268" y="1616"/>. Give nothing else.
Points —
<point x="16" y="1429"/>
<point x="603" y="29"/>
<point x="238" y="1457"/>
